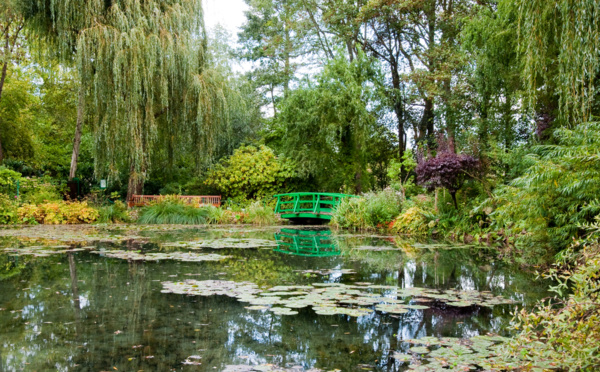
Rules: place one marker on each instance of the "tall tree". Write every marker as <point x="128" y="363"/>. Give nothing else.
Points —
<point x="341" y="113"/>
<point x="11" y="25"/>
<point x="490" y="42"/>
<point x="273" y="38"/>
<point x="144" y="62"/>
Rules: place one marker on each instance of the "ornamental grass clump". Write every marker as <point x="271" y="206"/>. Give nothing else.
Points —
<point x="260" y="214"/>
<point x="114" y="213"/>
<point x="173" y="210"/>
<point x="382" y="207"/>
<point x="371" y="211"/>
<point x="351" y="213"/>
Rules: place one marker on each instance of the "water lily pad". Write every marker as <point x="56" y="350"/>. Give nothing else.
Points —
<point x="416" y="307"/>
<point x="283" y="311"/>
<point x="392" y="308"/>
<point x="402" y="357"/>
<point x="419" y="350"/>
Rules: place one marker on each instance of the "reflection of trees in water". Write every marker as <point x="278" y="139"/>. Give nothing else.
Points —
<point x="98" y="297"/>
<point x="416" y="265"/>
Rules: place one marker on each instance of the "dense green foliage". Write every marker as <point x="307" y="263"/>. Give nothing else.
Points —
<point x="556" y="195"/>
<point x="469" y="120"/>
<point x="251" y="172"/>
<point x="374" y="210"/>
<point x="114" y="213"/>
<point x="565" y="329"/>
<point x="341" y="97"/>
<point x="260" y="214"/>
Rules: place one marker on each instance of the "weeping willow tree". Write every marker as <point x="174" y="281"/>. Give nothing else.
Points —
<point x="144" y="66"/>
<point x="560" y="43"/>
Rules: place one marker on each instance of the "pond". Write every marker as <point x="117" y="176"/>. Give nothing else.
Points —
<point x="227" y="298"/>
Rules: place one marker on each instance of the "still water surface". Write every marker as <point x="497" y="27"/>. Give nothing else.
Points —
<point x="103" y="307"/>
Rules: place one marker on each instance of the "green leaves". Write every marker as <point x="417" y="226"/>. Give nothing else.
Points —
<point x="251" y="172"/>
<point x="333" y="128"/>
<point x="556" y="195"/>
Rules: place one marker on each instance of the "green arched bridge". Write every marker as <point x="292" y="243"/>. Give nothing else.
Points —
<point x="308" y="204"/>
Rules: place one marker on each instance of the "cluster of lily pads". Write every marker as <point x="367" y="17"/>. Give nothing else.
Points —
<point x="224" y="243"/>
<point x="487" y="352"/>
<point x="45" y="251"/>
<point x="158" y="256"/>
<point x="335" y="298"/>
<point x="433" y="354"/>
<point x="326" y="272"/>
<point x="267" y="368"/>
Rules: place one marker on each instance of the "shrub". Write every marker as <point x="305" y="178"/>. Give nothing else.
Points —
<point x="414" y="221"/>
<point x="173" y="210"/>
<point x="382" y="207"/>
<point x="114" y="213"/>
<point x="367" y="212"/>
<point x="57" y="213"/>
<point x="259" y="214"/>
<point x="8" y="180"/>
<point x="555" y="196"/>
<point x="232" y="217"/>
<point x="446" y="170"/>
<point x="567" y="334"/>
<point x="8" y="210"/>
<point x="37" y="190"/>
<point x="351" y="213"/>
<point x="250" y="173"/>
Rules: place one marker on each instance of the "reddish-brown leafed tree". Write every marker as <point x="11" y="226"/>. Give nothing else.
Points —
<point x="447" y="169"/>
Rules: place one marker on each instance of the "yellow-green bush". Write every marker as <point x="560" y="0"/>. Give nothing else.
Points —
<point x="250" y="173"/>
<point x="58" y="213"/>
<point x="413" y="221"/>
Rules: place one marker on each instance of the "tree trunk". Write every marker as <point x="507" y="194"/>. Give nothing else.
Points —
<point x="358" y="183"/>
<point x="5" y="65"/>
<point x="77" y="139"/>
<point x="425" y="135"/>
<point x="398" y="102"/>
<point x="453" y="194"/>
<point x="273" y="102"/>
<point x="287" y="71"/>
<point x="2" y="79"/>
<point x="136" y="183"/>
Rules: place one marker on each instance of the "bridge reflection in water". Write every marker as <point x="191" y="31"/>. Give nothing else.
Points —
<point x="307" y="243"/>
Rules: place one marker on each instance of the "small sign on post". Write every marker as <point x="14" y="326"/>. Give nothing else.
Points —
<point x="103" y="184"/>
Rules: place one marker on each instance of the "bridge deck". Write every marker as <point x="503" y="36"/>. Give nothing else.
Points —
<point x="308" y="204"/>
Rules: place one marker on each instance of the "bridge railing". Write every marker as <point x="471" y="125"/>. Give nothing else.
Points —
<point x="200" y="200"/>
<point x="308" y="203"/>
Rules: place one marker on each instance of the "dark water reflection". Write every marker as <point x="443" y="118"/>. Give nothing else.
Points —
<point x="86" y="312"/>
